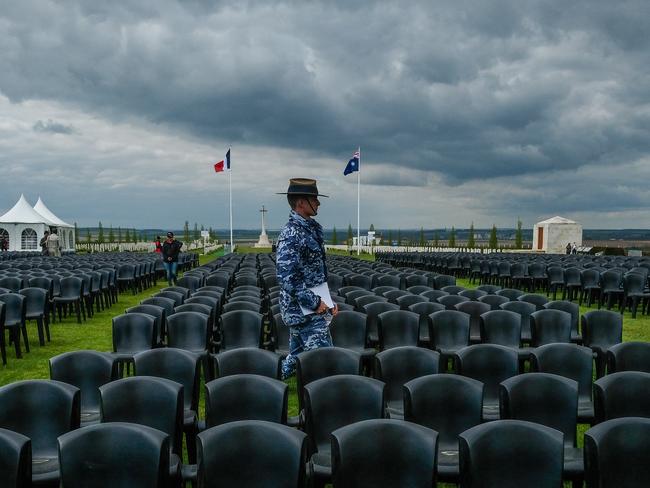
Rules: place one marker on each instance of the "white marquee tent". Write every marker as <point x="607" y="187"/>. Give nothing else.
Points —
<point x="552" y="235"/>
<point x="24" y="226"/>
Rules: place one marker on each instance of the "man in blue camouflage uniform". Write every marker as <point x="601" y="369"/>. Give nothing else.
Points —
<point x="300" y="263"/>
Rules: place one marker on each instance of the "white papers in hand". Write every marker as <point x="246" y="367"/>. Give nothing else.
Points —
<point x="323" y="292"/>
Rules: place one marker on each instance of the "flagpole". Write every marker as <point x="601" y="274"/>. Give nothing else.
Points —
<point x="359" y="205"/>
<point x="232" y="244"/>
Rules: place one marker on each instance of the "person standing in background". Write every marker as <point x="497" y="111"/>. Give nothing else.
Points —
<point x="53" y="248"/>
<point x="43" y="243"/>
<point x="171" y="248"/>
<point x="158" y="245"/>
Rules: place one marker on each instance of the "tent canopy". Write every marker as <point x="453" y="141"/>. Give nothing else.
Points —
<point x="47" y="213"/>
<point x="23" y="213"/>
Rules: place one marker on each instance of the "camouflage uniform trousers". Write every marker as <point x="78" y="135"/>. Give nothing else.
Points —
<point x="312" y="334"/>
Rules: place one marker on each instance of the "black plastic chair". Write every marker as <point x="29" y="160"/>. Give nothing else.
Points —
<point x="511" y="453"/>
<point x="397" y="366"/>
<point x="132" y="333"/>
<point x="617" y="453"/>
<point x="166" y="303"/>
<point x="251" y="453"/>
<point x="15" y="460"/>
<point x="629" y="356"/>
<point x="624" y="394"/>
<point x="504" y="328"/>
<point x="14" y="311"/>
<point x="571" y="361"/>
<point x="87" y="370"/>
<point x="184" y="291"/>
<point x="442" y="281"/>
<point x="384" y="453"/>
<point x="610" y="288"/>
<point x="322" y="363"/>
<point x="574" y="310"/>
<point x="448" y="404"/>
<point x="472" y="294"/>
<point x="71" y="291"/>
<point x="279" y="340"/>
<point x="538" y="300"/>
<point x="240" y="328"/>
<point x="550" y="400"/>
<point x="550" y="326"/>
<point x="348" y="331"/>
<point x="590" y="285"/>
<point x="494" y="301"/>
<point x="364" y="300"/>
<point x="450" y="301"/>
<point x="424" y="309"/>
<point x="418" y="289"/>
<point x="248" y="360"/>
<point x="150" y="401"/>
<point x="245" y="397"/>
<point x="36" y="308"/>
<point x="601" y="329"/>
<point x="372" y="312"/>
<point x="178" y="298"/>
<point x="511" y="294"/>
<point x="41" y="410"/>
<point x="183" y="368"/>
<point x="453" y="289"/>
<point x="393" y="295"/>
<point x="331" y="403"/>
<point x="449" y="333"/>
<point x="474" y="310"/>
<point x="406" y="301"/>
<point x="189" y="331"/>
<point x="158" y="313"/>
<point x="433" y="295"/>
<point x="555" y="280"/>
<point x="398" y="328"/>
<point x="490" y="364"/>
<point x="115" y="454"/>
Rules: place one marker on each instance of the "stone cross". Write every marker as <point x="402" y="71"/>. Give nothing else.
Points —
<point x="263" y="211"/>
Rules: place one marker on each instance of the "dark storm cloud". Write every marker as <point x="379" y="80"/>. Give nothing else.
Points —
<point x="474" y="92"/>
<point x="53" y="127"/>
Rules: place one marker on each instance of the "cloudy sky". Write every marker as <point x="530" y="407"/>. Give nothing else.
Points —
<point x="465" y="111"/>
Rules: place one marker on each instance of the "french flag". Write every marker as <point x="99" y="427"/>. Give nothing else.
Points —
<point x="219" y="167"/>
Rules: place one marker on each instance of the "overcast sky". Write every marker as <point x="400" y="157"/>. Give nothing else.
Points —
<point x="465" y="111"/>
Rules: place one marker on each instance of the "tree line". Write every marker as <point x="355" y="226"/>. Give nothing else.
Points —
<point x="118" y="235"/>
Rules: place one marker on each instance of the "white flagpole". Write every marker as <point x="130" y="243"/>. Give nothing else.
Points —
<point x="359" y="205"/>
<point x="232" y="244"/>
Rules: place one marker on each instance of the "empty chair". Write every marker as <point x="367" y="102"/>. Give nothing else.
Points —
<point x="453" y="289"/>
<point x="550" y="400"/>
<point x="573" y="362"/>
<point x="190" y="282"/>
<point x="424" y="309"/>
<point x="601" y="330"/>
<point x="572" y="284"/>
<point x="151" y="401"/>
<point x="393" y="295"/>
<point x="416" y="280"/>
<point x="352" y="295"/>
<point x="155" y="311"/>
<point x="524" y="309"/>
<point x="550" y="326"/>
<point x="489" y="364"/>
<point x="504" y="328"/>
<point x="189" y="331"/>
<point x="472" y="294"/>
<point x="218" y="279"/>
<point x="334" y="282"/>
<point x="474" y="310"/>
<point x="251" y="453"/>
<point x="441" y="281"/>
<point x="489" y="289"/>
<point x="344" y="290"/>
<point x="511" y="453"/>
<point x="324" y="362"/>
<point x="555" y="280"/>
<point x="132" y="333"/>
<point x="389" y="280"/>
<point x="245" y="397"/>
<point x="629" y="356"/>
<point x="36" y="308"/>
<point x="433" y="295"/>
<point x="380" y="290"/>
<point x="116" y="454"/>
<point x="384" y="453"/>
<point x="538" y="300"/>
<point x="419" y="289"/>
<point x="87" y="370"/>
<point x="360" y="280"/>
<point x="178" y="298"/>
<point x="590" y="284"/>
<point x="448" y="404"/>
<point x="13" y="315"/>
<point x="348" y="330"/>
<point x="248" y="360"/>
<point x="279" y="340"/>
<point x="634" y="286"/>
<point x="398" y="328"/>
<point x="617" y="453"/>
<point x="241" y="328"/>
<point x="71" y="291"/>
<point x="448" y="333"/>
<point x="372" y="312"/>
<point x="241" y="305"/>
<point x="334" y="402"/>
<point x="364" y="300"/>
<point x="166" y="303"/>
<point x="406" y="301"/>
<point x="510" y="293"/>
<point x="399" y="365"/>
<point x="41" y="410"/>
<point x="183" y="368"/>
<point x="494" y="301"/>
<point x="624" y="394"/>
<point x="611" y="289"/>
<point x="450" y="301"/>
<point x="12" y="283"/>
<point x="574" y="310"/>
<point x="15" y="459"/>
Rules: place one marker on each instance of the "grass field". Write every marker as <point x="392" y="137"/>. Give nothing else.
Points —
<point x="95" y="334"/>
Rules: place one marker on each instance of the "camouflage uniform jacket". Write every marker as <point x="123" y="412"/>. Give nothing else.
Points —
<point x="300" y="263"/>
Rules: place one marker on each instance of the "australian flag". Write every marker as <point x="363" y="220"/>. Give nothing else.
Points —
<point x="353" y="164"/>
